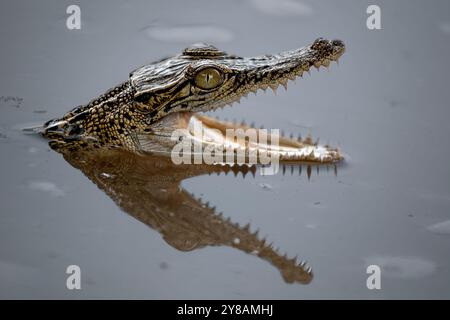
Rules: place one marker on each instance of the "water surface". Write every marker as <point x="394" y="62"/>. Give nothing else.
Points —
<point x="385" y="105"/>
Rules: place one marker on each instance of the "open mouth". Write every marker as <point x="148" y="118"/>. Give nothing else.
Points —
<point x="216" y="133"/>
<point x="258" y="73"/>
<point x="227" y="135"/>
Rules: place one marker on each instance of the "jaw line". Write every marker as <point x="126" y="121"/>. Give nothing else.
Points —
<point x="214" y="133"/>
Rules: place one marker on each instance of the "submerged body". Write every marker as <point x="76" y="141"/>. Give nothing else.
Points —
<point x="141" y="114"/>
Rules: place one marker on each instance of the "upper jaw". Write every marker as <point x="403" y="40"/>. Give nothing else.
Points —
<point x="261" y="72"/>
<point x="244" y="75"/>
<point x="272" y="70"/>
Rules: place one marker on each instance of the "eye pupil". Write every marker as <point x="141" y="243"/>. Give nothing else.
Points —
<point x="208" y="78"/>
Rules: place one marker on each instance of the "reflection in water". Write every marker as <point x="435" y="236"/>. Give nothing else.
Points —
<point x="148" y="188"/>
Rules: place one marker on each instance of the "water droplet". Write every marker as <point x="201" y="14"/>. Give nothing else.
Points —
<point x="265" y="186"/>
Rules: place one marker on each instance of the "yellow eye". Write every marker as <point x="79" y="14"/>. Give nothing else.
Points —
<point x="208" y="78"/>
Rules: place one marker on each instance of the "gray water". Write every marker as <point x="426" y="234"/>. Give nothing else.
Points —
<point x="386" y="106"/>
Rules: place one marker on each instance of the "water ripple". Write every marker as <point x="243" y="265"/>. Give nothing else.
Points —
<point x="445" y="27"/>
<point x="440" y="228"/>
<point x="282" y="7"/>
<point x="189" y="33"/>
<point x="403" y="267"/>
<point x="46" y="186"/>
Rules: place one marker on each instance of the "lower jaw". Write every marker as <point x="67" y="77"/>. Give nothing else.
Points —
<point x="213" y="134"/>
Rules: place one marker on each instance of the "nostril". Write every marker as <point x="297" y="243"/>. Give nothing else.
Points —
<point x="319" y="44"/>
<point x="318" y="40"/>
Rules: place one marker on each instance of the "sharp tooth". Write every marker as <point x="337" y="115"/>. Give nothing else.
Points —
<point x="291" y="76"/>
<point x="264" y="86"/>
<point x="326" y="62"/>
<point x="284" y="83"/>
<point x="317" y="64"/>
<point x="274" y="87"/>
<point x="308" y="140"/>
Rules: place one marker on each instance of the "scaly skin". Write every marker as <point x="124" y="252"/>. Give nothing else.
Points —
<point x="148" y="188"/>
<point x="141" y="114"/>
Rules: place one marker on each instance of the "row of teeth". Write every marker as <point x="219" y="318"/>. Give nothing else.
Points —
<point x="308" y="140"/>
<point x="331" y="155"/>
<point x="287" y="155"/>
<point x="325" y="153"/>
<point x="293" y="76"/>
<point x="246" y="168"/>
<point x="299" y="263"/>
<point x="283" y="81"/>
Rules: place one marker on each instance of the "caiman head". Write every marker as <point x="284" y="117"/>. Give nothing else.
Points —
<point x="142" y="113"/>
<point x="203" y="78"/>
